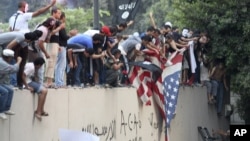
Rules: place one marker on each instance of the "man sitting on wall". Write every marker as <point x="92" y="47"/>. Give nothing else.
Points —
<point x="30" y="80"/>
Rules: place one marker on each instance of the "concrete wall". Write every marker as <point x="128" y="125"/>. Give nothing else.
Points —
<point x="112" y="114"/>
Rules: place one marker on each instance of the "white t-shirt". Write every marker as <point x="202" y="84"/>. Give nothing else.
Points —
<point x="91" y="32"/>
<point x="29" y="71"/>
<point x="22" y="20"/>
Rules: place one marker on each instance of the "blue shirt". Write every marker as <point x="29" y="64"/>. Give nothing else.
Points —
<point x="81" y="39"/>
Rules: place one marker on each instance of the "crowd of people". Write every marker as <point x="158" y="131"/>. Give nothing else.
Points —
<point x="38" y="60"/>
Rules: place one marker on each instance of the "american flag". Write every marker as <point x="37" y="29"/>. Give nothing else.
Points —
<point x="171" y="80"/>
<point x="146" y="83"/>
<point x="141" y="79"/>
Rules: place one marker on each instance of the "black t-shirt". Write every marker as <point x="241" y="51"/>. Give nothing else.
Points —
<point x="55" y="38"/>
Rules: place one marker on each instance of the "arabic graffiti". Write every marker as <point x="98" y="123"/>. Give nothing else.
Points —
<point x="136" y="139"/>
<point x="107" y="131"/>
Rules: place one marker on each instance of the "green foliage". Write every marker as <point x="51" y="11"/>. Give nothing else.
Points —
<point x="4" y="27"/>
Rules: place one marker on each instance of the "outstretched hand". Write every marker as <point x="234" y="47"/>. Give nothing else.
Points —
<point x="53" y="2"/>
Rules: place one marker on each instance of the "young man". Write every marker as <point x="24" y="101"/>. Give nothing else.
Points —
<point x="61" y="58"/>
<point x="218" y="80"/>
<point x="131" y="47"/>
<point x="30" y="80"/>
<point x="113" y="69"/>
<point x="19" y="20"/>
<point x="53" y="46"/>
<point x="81" y="43"/>
<point x="6" y="91"/>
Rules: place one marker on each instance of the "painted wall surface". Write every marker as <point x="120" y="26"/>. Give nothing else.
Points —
<point x="112" y="114"/>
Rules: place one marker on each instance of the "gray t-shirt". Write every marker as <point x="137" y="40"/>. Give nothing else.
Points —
<point x="5" y="70"/>
<point x="130" y="43"/>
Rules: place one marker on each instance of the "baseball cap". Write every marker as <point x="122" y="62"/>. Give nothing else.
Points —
<point x="169" y="24"/>
<point x="32" y="36"/>
<point x="106" y="30"/>
<point x="8" y="53"/>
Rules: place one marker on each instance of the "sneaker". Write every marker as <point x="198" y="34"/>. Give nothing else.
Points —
<point x="9" y="112"/>
<point x="120" y="85"/>
<point x="198" y="84"/>
<point x="3" y="116"/>
<point x="107" y="86"/>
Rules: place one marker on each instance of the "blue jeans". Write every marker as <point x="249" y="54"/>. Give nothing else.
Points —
<point x="78" y="71"/>
<point x="6" y="95"/>
<point x="13" y="76"/>
<point x="219" y="97"/>
<point x="60" y="67"/>
<point x="215" y="85"/>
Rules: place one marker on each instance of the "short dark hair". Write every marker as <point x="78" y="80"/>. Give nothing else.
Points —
<point x="39" y="61"/>
<point x="124" y="25"/>
<point x="98" y="37"/>
<point x="90" y="51"/>
<point x="146" y="38"/>
<point x="54" y="10"/>
<point x="116" y="51"/>
<point x="151" y="28"/>
<point x="113" y="30"/>
<point x="157" y="31"/>
<point x="168" y="36"/>
<point x="21" y="3"/>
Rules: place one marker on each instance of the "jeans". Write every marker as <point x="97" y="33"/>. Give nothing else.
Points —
<point x="215" y="85"/>
<point x="78" y="72"/>
<point x="219" y="97"/>
<point x="13" y="76"/>
<point x="197" y="74"/>
<point x="60" y="67"/>
<point x="6" y="95"/>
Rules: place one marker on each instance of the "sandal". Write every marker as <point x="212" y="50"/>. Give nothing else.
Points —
<point x="50" y="86"/>
<point x="45" y="114"/>
<point x="38" y="116"/>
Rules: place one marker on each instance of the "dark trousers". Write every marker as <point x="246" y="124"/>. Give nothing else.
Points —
<point x="23" y="53"/>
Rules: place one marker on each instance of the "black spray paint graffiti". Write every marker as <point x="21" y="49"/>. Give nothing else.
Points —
<point x="131" y="123"/>
<point x="153" y="123"/>
<point x="136" y="139"/>
<point x="107" y="131"/>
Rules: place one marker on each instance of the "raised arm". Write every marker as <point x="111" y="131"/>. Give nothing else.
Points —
<point x="43" y="9"/>
<point x="152" y="21"/>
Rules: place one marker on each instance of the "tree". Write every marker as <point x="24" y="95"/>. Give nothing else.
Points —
<point x="228" y="24"/>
